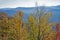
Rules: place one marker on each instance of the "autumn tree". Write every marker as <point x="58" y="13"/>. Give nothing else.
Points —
<point x="39" y="25"/>
<point x="3" y="26"/>
<point x="7" y="29"/>
<point x="33" y="29"/>
<point x="18" y="24"/>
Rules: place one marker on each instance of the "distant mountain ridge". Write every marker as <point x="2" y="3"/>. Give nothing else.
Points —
<point x="28" y="11"/>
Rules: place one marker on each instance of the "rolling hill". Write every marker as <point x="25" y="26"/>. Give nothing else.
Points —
<point x="28" y="11"/>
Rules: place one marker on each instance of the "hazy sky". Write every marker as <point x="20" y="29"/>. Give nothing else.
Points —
<point x="27" y="3"/>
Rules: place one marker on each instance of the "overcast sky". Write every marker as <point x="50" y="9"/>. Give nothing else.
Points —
<point x="27" y="3"/>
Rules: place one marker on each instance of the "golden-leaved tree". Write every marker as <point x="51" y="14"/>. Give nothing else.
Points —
<point x="22" y="32"/>
<point x="46" y="27"/>
<point x="18" y="24"/>
<point x="3" y="26"/>
<point x="40" y="28"/>
<point x="33" y="27"/>
<point x="7" y="29"/>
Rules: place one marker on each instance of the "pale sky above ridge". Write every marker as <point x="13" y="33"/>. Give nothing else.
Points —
<point x="27" y="3"/>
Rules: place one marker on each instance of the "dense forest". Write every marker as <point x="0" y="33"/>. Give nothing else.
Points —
<point x="37" y="27"/>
